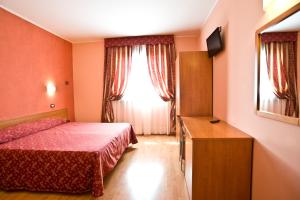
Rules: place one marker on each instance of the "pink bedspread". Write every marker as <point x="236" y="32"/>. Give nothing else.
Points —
<point x="73" y="157"/>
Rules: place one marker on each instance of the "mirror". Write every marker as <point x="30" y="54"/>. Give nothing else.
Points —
<point x="278" y="48"/>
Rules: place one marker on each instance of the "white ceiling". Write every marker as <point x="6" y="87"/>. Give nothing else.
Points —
<point x="91" y="20"/>
<point x="292" y="23"/>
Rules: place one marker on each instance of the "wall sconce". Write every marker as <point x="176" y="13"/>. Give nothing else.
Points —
<point x="51" y="89"/>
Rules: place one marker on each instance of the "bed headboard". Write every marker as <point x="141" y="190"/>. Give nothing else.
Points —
<point x="62" y="113"/>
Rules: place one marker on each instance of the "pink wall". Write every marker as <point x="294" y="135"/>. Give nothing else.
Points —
<point x="276" y="171"/>
<point x="88" y="61"/>
<point x="29" y="57"/>
<point x="186" y="43"/>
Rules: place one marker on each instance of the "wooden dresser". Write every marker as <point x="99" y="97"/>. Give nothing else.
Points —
<point x="218" y="160"/>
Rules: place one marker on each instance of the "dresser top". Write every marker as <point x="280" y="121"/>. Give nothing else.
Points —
<point x="201" y="128"/>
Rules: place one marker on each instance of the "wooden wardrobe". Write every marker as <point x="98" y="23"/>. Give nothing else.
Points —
<point x="194" y="84"/>
<point x="216" y="158"/>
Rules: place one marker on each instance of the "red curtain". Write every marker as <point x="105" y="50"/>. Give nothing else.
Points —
<point x="161" y="65"/>
<point x="116" y="70"/>
<point x="282" y="68"/>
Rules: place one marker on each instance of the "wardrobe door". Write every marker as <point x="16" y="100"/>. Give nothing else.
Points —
<point x="195" y="83"/>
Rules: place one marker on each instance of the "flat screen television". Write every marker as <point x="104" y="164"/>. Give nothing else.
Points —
<point x="214" y="42"/>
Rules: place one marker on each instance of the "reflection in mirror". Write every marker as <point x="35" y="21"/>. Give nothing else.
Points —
<point x="280" y="67"/>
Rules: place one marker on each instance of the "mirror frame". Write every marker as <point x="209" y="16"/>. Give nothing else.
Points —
<point x="276" y="20"/>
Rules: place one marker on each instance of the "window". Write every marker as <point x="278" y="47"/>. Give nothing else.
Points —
<point x="141" y="105"/>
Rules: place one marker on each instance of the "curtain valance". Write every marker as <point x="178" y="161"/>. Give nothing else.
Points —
<point x="139" y="40"/>
<point x="279" y="37"/>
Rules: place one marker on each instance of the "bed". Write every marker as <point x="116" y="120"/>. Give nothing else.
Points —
<point x="47" y="154"/>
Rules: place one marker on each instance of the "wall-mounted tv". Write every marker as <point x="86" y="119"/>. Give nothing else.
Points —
<point x="214" y="42"/>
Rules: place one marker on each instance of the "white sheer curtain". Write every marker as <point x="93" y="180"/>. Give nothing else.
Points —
<point x="268" y="100"/>
<point x="141" y="106"/>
